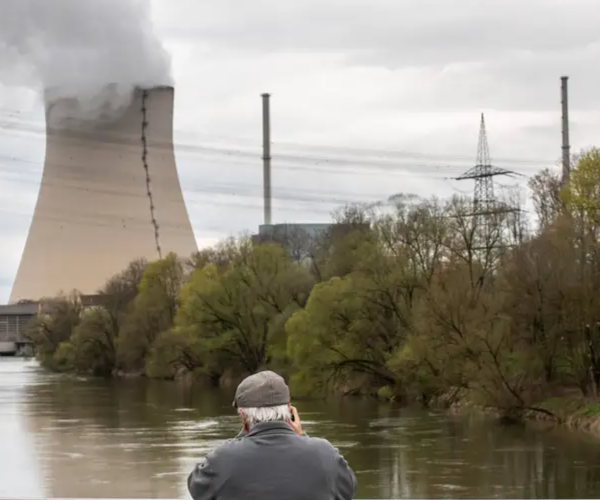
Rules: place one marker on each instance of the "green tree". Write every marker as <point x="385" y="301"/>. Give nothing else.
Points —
<point x="53" y="326"/>
<point x="180" y="351"/>
<point x="92" y="346"/>
<point x="153" y="311"/>
<point x="352" y="326"/>
<point x="121" y="290"/>
<point x="582" y="194"/>
<point x="338" y="246"/>
<point x="93" y="343"/>
<point x="223" y="254"/>
<point x="236" y="313"/>
<point x="582" y="200"/>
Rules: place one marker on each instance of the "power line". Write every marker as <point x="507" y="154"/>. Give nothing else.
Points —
<point x="231" y="190"/>
<point x="242" y="190"/>
<point x="381" y="157"/>
<point x="378" y="152"/>
<point x="219" y="189"/>
<point x="291" y="163"/>
<point x="130" y="223"/>
<point x="210" y="187"/>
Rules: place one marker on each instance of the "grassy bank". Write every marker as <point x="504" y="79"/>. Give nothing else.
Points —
<point x="570" y="410"/>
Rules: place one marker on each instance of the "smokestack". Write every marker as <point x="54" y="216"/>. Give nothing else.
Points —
<point x="566" y="147"/>
<point x="110" y="193"/>
<point x="266" y="122"/>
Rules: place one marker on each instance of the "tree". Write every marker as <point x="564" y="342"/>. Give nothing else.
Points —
<point x="120" y="291"/>
<point x="336" y="248"/>
<point x="92" y="346"/>
<point x="582" y="194"/>
<point x="234" y="314"/>
<point x="582" y="200"/>
<point x="352" y="326"/>
<point x="179" y="351"/>
<point x="153" y="311"/>
<point x="415" y="230"/>
<point x="340" y="336"/>
<point x="54" y="327"/>
<point x="535" y="279"/>
<point x="222" y="255"/>
<point x="545" y="187"/>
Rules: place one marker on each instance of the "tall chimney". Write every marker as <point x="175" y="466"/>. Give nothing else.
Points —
<point x="110" y="193"/>
<point x="266" y="123"/>
<point x="566" y="147"/>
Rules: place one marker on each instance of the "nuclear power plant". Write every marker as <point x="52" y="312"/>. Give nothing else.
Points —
<point x="110" y="193"/>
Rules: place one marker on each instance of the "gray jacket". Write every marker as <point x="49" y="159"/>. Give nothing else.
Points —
<point x="273" y="462"/>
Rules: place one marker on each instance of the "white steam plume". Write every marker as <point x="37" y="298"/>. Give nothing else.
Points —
<point x="95" y="51"/>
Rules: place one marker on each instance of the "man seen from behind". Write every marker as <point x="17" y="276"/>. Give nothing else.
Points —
<point x="271" y="458"/>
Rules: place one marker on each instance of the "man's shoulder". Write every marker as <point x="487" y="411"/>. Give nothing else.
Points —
<point x="232" y="443"/>
<point x="224" y="449"/>
<point x="320" y="444"/>
<point x="242" y="443"/>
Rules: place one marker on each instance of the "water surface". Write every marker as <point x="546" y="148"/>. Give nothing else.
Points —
<point x="65" y="436"/>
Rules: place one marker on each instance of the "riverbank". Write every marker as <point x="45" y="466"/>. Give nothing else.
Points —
<point x="570" y="410"/>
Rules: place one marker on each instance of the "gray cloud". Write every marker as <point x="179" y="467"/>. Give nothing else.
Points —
<point x="507" y="53"/>
<point x="419" y="32"/>
<point x="77" y="47"/>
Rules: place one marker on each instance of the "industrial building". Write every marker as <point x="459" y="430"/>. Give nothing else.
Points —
<point x="302" y="239"/>
<point x="297" y="238"/>
<point x="16" y="319"/>
<point x="14" y="322"/>
<point x="110" y="193"/>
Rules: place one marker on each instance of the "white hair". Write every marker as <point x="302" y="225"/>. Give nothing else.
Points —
<point x="254" y="416"/>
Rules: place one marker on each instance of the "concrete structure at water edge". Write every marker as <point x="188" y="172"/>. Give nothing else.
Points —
<point x="110" y="193"/>
<point x="14" y="323"/>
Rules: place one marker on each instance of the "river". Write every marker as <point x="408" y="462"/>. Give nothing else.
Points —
<point x="65" y="436"/>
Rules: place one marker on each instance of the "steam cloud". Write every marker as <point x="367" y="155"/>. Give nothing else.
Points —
<point x="94" y="51"/>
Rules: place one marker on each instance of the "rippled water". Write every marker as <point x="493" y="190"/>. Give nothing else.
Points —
<point x="75" y="437"/>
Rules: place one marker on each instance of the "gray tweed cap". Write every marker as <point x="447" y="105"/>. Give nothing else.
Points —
<point x="261" y="390"/>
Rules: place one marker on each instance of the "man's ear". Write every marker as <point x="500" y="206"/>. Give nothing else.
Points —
<point x="244" y="423"/>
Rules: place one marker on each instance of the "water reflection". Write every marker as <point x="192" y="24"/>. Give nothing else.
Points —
<point x="135" y="438"/>
<point x="19" y="469"/>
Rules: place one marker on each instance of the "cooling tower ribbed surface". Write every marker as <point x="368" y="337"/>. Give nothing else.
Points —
<point x="100" y="190"/>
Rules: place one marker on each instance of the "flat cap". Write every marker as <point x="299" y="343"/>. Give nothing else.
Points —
<point x="261" y="390"/>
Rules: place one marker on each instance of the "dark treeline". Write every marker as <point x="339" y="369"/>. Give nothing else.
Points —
<point x="420" y="299"/>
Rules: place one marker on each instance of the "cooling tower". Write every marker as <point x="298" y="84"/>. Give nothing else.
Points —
<point x="110" y="193"/>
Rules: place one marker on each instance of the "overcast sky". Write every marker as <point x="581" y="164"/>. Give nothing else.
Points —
<point x="393" y="87"/>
